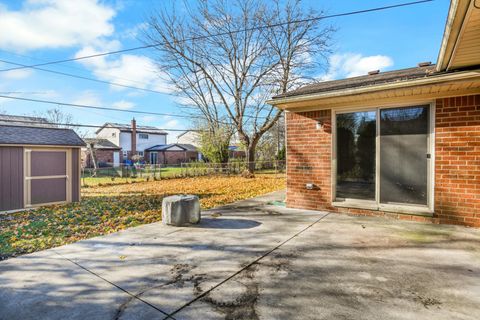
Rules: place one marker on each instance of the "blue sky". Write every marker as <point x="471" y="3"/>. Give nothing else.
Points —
<point x="34" y="31"/>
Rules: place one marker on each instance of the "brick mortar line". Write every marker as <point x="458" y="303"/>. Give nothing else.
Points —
<point x="247" y="266"/>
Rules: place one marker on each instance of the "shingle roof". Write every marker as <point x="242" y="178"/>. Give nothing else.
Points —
<point x="362" y="81"/>
<point x="128" y="128"/>
<point x="39" y="136"/>
<point x="24" y="121"/>
<point x="102" y="144"/>
<point x="165" y="147"/>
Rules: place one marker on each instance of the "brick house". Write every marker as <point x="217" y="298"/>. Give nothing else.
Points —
<point x="174" y="153"/>
<point x="402" y="144"/>
<point x="106" y="153"/>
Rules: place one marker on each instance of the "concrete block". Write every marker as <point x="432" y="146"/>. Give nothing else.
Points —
<point x="180" y="210"/>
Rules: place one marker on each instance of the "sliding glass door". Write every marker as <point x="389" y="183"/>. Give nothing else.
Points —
<point x="382" y="156"/>
<point x="404" y="155"/>
<point x="356" y="133"/>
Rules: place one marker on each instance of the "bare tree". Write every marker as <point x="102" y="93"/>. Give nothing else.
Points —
<point x="56" y="116"/>
<point x="60" y="119"/>
<point x="227" y="58"/>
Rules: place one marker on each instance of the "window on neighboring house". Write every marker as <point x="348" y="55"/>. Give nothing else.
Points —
<point x="125" y="153"/>
<point x="140" y="153"/>
<point x="143" y="136"/>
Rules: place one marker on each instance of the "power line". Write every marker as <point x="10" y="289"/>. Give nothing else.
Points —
<point x="99" y="108"/>
<point x="24" y="92"/>
<point x="118" y="110"/>
<point x="85" y="78"/>
<point x="73" y="67"/>
<point x="223" y="33"/>
<point x="47" y="124"/>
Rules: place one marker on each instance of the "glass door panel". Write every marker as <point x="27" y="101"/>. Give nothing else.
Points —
<point x="404" y="155"/>
<point x="355" y="147"/>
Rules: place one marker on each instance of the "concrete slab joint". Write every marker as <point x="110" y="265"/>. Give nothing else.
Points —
<point x="181" y="210"/>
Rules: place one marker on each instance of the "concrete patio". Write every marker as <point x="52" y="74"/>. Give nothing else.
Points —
<point x="254" y="260"/>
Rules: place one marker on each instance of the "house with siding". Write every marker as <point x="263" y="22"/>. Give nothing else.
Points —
<point x="131" y="139"/>
<point x="402" y="144"/>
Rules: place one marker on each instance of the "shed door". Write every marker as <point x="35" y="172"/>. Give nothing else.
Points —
<point x="47" y="176"/>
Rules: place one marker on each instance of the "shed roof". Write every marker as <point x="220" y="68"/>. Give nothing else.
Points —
<point x="165" y="147"/>
<point x="102" y="144"/>
<point x="21" y="135"/>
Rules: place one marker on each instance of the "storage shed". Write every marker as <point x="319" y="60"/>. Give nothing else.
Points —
<point x="38" y="166"/>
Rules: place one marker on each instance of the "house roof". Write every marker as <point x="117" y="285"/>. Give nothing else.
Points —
<point x="363" y="81"/>
<point x="165" y="147"/>
<point x="460" y="43"/>
<point x="22" y="135"/>
<point x="456" y="73"/>
<point x="25" y="121"/>
<point x="102" y="144"/>
<point x="128" y="128"/>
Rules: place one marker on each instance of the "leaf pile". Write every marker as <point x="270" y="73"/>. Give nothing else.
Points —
<point x="109" y="209"/>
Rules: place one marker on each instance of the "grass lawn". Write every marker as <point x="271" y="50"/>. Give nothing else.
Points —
<point x="106" y="209"/>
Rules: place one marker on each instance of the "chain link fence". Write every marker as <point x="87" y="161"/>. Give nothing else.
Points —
<point x="109" y="174"/>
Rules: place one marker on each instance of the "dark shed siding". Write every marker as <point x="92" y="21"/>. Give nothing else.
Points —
<point x="11" y="178"/>
<point x="75" y="175"/>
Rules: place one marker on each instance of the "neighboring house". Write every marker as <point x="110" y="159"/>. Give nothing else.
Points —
<point x="193" y="138"/>
<point x="24" y="121"/>
<point x="106" y="153"/>
<point x="403" y="144"/>
<point x="132" y="139"/>
<point x="189" y="137"/>
<point x="174" y="153"/>
<point x="38" y="166"/>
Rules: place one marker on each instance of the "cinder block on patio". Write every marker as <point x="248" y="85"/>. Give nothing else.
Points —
<point x="180" y="210"/>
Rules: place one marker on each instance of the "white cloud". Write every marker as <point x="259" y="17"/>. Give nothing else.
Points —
<point x="172" y="124"/>
<point x="123" y="105"/>
<point x="17" y="74"/>
<point x="88" y="98"/>
<point x="148" y="119"/>
<point x="54" y="24"/>
<point x="127" y="69"/>
<point x="354" y="64"/>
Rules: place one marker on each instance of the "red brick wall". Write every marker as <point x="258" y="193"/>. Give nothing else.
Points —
<point x="174" y="157"/>
<point x="457" y="159"/>
<point x="309" y="160"/>
<point x="457" y="163"/>
<point x="103" y="156"/>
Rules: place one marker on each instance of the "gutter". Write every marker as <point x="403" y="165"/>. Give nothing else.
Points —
<point x="446" y="35"/>
<point x="462" y="75"/>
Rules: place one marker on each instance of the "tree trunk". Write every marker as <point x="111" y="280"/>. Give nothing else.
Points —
<point x="251" y="155"/>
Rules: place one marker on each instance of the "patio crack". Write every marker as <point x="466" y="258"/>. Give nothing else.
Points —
<point x="246" y="267"/>
<point x="132" y="296"/>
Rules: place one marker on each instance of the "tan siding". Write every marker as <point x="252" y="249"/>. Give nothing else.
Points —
<point x="75" y="175"/>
